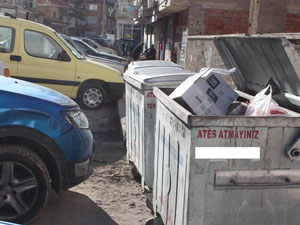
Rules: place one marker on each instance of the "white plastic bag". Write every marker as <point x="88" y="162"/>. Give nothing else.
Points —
<point x="261" y="103"/>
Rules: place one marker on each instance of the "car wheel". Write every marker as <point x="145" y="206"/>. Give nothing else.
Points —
<point x="92" y="96"/>
<point x="25" y="185"/>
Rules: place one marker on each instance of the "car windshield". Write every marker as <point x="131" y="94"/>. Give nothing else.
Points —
<point x="70" y="47"/>
<point x="89" y="42"/>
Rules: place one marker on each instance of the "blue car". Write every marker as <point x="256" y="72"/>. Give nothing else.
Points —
<point x="45" y="143"/>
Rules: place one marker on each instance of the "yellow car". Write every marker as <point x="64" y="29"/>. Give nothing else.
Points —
<point x="35" y="53"/>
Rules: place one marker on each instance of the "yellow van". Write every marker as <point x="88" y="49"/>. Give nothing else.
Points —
<point x="36" y="53"/>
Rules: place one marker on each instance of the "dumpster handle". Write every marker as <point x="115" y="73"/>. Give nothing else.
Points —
<point x="284" y="181"/>
<point x="293" y="151"/>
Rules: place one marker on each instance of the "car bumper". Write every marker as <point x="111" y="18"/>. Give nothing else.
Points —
<point x="78" y="172"/>
<point x="78" y="147"/>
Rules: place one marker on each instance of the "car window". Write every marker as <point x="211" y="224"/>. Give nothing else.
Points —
<point x="90" y="43"/>
<point x="6" y="39"/>
<point x="41" y="45"/>
<point x="81" y="45"/>
<point x="71" y="46"/>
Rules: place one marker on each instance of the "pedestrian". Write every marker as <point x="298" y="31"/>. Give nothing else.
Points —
<point x="126" y="48"/>
<point x="150" y="53"/>
<point x="137" y="51"/>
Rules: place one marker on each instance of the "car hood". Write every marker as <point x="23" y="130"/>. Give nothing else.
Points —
<point x="33" y="90"/>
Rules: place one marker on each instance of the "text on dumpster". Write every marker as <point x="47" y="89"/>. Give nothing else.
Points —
<point x="227" y="134"/>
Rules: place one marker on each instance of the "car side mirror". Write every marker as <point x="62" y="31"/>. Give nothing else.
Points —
<point x="63" y="56"/>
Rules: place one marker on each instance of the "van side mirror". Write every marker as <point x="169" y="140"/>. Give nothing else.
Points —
<point x="63" y="56"/>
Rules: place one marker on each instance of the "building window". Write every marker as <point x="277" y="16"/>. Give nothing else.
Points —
<point x="93" y="7"/>
<point x="92" y="20"/>
<point x="54" y="14"/>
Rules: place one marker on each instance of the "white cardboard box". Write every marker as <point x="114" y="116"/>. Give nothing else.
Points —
<point x="205" y="93"/>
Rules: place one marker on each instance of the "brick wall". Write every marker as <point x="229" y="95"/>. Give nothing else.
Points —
<point x="219" y="21"/>
<point x="292" y="23"/>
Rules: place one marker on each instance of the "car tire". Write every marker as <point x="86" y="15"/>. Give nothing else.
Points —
<point x="92" y="96"/>
<point x="25" y="185"/>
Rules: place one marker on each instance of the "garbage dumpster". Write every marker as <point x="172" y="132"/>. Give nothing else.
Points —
<point x="151" y="63"/>
<point x="190" y="191"/>
<point x="140" y="113"/>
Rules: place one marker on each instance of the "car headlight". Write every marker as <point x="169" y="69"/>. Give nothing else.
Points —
<point x="76" y="119"/>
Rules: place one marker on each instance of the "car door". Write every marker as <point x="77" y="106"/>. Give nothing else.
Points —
<point x="9" y="46"/>
<point x="41" y="62"/>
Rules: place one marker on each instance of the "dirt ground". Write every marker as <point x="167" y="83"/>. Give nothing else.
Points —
<point x="110" y="196"/>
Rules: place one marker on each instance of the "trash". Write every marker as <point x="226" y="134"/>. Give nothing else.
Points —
<point x="263" y="105"/>
<point x="237" y="108"/>
<point x="205" y="93"/>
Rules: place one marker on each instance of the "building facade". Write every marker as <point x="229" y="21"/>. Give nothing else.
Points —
<point x="126" y="26"/>
<point x="24" y="9"/>
<point x="170" y="24"/>
<point x="55" y="14"/>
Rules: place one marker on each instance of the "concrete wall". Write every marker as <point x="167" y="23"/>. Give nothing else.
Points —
<point x="201" y="52"/>
<point x="267" y="16"/>
<point x="225" y="4"/>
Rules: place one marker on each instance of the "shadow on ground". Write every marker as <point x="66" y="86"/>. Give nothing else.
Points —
<point x="105" y="126"/>
<point x="70" y="208"/>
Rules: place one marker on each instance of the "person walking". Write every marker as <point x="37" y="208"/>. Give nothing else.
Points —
<point x="137" y="51"/>
<point x="125" y="48"/>
<point x="150" y="53"/>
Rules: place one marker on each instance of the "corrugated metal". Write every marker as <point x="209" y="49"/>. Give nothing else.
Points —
<point x="258" y="59"/>
<point x="189" y="191"/>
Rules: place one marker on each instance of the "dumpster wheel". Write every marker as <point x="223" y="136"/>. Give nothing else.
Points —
<point x="154" y="221"/>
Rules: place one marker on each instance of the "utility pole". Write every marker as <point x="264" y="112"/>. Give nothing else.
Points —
<point x="103" y="18"/>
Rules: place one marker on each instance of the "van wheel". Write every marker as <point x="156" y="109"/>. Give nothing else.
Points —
<point x="92" y="96"/>
<point x="25" y="185"/>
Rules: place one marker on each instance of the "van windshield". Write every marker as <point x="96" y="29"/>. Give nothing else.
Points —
<point x="70" y="47"/>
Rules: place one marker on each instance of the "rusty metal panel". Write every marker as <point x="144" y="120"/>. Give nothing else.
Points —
<point x="217" y="191"/>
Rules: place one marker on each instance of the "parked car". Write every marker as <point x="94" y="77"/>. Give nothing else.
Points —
<point x="113" y="61"/>
<point x="45" y="143"/>
<point x="102" y="41"/>
<point x="98" y="46"/>
<point x="36" y="53"/>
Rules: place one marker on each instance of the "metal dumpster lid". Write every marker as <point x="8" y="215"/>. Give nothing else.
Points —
<point x="159" y="74"/>
<point x="152" y="63"/>
<point x="258" y="59"/>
